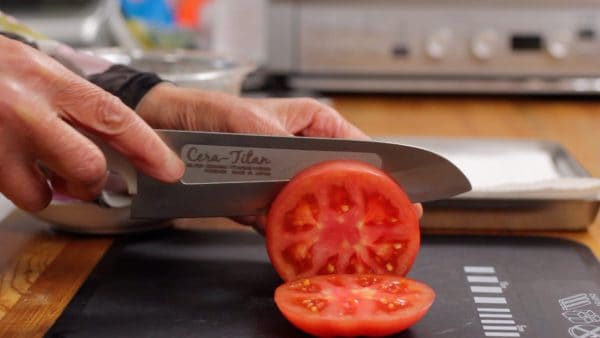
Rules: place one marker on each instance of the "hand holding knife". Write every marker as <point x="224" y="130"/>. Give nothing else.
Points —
<point x="240" y="174"/>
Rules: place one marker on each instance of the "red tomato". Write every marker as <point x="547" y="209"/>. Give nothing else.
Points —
<point x="354" y="305"/>
<point x="341" y="217"/>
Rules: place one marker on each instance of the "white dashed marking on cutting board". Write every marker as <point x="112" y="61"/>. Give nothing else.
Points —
<point x="493" y="309"/>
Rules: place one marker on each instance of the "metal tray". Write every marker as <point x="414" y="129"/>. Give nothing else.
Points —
<point x="490" y="163"/>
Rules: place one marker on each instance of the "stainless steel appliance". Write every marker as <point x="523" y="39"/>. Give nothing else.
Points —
<point x="486" y="46"/>
<point x="74" y="22"/>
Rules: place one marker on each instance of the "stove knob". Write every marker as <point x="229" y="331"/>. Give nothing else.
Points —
<point x="484" y="44"/>
<point x="558" y="44"/>
<point x="438" y="43"/>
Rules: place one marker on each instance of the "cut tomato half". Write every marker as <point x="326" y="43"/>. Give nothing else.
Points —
<point x="341" y="217"/>
<point x="354" y="305"/>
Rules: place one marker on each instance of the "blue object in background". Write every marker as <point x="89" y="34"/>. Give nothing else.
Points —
<point x="153" y="12"/>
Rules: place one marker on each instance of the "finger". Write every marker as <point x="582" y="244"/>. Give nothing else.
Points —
<point x="260" y="224"/>
<point x="309" y="117"/>
<point x="257" y="222"/>
<point x="327" y="122"/>
<point x="76" y="164"/>
<point x="39" y="134"/>
<point x="75" y="189"/>
<point x="103" y="114"/>
<point x="252" y="118"/>
<point x="24" y="185"/>
<point x="215" y="111"/>
<point x="418" y="210"/>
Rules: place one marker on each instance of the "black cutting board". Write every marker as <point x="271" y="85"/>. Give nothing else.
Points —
<point x="220" y="284"/>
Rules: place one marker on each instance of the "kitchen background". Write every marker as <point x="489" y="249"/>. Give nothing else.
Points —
<point x="460" y="46"/>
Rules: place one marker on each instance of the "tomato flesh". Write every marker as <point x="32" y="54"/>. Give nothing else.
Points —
<point x="354" y="305"/>
<point x="342" y="217"/>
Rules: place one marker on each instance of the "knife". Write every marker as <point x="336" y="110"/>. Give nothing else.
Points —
<point x="240" y="174"/>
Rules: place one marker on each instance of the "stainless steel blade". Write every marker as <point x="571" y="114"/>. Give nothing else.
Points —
<point x="239" y="174"/>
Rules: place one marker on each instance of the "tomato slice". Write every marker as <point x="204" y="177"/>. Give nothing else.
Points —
<point x="341" y="217"/>
<point x="354" y="305"/>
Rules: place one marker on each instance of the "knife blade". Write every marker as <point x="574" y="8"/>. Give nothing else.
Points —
<point x="240" y="174"/>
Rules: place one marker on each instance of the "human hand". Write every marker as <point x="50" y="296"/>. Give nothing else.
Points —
<point x="41" y="105"/>
<point x="169" y="107"/>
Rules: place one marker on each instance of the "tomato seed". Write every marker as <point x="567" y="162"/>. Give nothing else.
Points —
<point x="350" y="306"/>
<point x="330" y="268"/>
<point x="360" y="225"/>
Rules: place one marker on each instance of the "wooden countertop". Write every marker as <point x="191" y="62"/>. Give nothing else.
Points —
<point x="41" y="270"/>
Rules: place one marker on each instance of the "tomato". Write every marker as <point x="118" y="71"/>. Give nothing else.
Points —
<point x="354" y="305"/>
<point x="341" y="217"/>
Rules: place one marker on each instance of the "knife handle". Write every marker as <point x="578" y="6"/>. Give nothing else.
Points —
<point x="120" y="168"/>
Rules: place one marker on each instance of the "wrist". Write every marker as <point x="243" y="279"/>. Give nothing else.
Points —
<point x="126" y="83"/>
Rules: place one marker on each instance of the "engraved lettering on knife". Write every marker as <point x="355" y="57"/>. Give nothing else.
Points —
<point x="227" y="160"/>
<point x="195" y="154"/>
<point x="217" y="164"/>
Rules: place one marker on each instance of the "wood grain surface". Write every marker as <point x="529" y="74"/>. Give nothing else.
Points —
<point x="40" y="270"/>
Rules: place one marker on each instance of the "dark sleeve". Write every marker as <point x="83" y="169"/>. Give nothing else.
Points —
<point x="126" y="83"/>
<point x="19" y="38"/>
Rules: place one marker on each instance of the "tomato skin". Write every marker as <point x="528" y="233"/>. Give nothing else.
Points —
<point x="342" y="217"/>
<point x="371" y="317"/>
